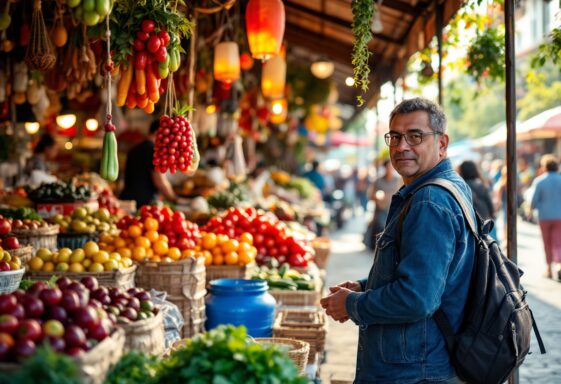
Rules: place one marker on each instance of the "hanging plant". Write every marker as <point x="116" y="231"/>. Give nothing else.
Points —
<point x="486" y="56"/>
<point x="549" y="51"/>
<point x="363" y="11"/>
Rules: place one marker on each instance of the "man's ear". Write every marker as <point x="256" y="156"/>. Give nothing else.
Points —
<point x="443" y="145"/>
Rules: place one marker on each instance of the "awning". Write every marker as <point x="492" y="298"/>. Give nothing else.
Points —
<point x="337" y="138"/>
<point x="544" y="125"/>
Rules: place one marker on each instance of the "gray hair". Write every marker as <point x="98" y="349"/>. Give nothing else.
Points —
<point x="437" y="118"/>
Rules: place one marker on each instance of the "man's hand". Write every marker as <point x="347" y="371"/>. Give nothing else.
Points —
<point x="351" y="285"/>
<point x="334" y="304"/>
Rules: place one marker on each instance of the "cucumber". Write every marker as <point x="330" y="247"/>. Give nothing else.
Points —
<point x="303" y="285"/>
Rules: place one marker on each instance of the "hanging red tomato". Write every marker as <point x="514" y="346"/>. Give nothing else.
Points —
<point x="264" y="21"/>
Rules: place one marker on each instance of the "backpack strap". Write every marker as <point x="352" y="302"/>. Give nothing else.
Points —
<point x="537" y="333"/>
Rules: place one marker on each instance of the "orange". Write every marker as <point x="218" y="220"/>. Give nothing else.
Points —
<point x="95" y="267"/>
<point x="244" y="247"/>
<point x="160" y="248"/>
<point x="163" y="238"/>
<point x="152" y="236"/>
<point x="48" y="267"/>
<point x="109" y="248"/>
<point x="245" y="258"/>
<point x="106" y="238"/>
<point x="125" y="252"/>
<point x="174" y="253"/>
<point x="230" y="246"/>
<point x="119" y="242"/>
<point x="36" y="263"/>
<point x="90" y="248"/>
<point x="231" y="258"/>
<point x="217" y="260"/>
<point x="151" y="224"/>
<point x="208" y="241"/>
<point x="216" y="251"/>
<point x="142" y="241"/>
<point x="221" y="239"/>
<point x="149" y="253"/>
<point x="139" y="253"/>
<point x="156" y="259"/>
<point x="76" y="267"/>
<point x="187" y="253"/>
<point x="246" y="237"/>
<point x="135" y="230"/>
<point x="167" y="260"/>
<point x="208" y="257"/>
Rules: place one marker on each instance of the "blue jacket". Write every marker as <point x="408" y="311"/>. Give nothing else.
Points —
<point x="399" y="342"/>
<point x="547" y="196"/>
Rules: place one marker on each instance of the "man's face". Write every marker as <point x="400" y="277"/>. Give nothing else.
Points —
<point x="412" y="161"/>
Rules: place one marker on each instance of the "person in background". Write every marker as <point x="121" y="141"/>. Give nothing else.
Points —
<point x="421" y="264"/>
<point x="361" y="186"/>
<point x="547" y="201"/>
<point x="381" y="192"/>
<point x="37" y="167"/>
<point x="315" y="176"/>
<point x="482" y="201"/>
<point x="143" y="183"/>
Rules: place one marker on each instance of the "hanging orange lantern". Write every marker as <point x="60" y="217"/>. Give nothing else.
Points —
<point x="273" y="77"/>
<point x="264" y="20"/>
<point x="246" y="61"/>
<point x="226" y="62"/>
<point x="279" y="111"/>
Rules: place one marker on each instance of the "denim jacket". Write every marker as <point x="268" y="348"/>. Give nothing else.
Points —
<point x="399" y="342"/>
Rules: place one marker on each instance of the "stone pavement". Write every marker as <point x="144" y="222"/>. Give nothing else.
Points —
<point x="350" y="260"/>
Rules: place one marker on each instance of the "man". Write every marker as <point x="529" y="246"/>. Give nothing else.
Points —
<point x="428" y="268"/>
<point x="142" y="182"/>
<point x="546" y="200"/>
<point x="315" y="176"/>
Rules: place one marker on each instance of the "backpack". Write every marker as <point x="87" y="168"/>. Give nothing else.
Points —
<point x="494" y="337"/>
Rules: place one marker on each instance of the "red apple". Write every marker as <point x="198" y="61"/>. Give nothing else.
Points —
<point x="86" y="317"/>
<point x="10" y="243"/>
<point x="34" y="307"/>
<point x="24" y="348"/>
<point x="6" y="344"/>
<point x="63" y="282"/>
<point x="70" y="300"/>
<point x="18" y="312"/>
<point x="134" y="303"/>
<point x="5" y="226"/>
<point x="76" y="286"/>
<point x="37" y="287"/>
<point x="29" y="329"/>
<point x="51" y="296"/>
<point x="130" y="314"/>
<point x="100" y="331"/>
<point x="8" y="323"/>
<point x="74" y="337"/>
<point x="7" y="303"/>
<point x="58" y="343"/>
<point x="56" y="312"/>
<point x="89" y="282"/>
<point x="53" y="328"/>
<point x="143" y="296"/>
<point x="74" y="351"/>
<point x="4" y="266"/>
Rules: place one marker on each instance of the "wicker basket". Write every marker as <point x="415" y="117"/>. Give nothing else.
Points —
<point x="298" y="350"/>
<point x="215" y="272"/>
<point x="24" y="253"/>
<point x="296" y="298"/>
<point x="145" y="335"/>
<point x="45" y="237"/>
<point x="93" y="365"/>
<point x="119" y="278"/>
<point x="184" y="281"/>
<point x="308" y="326"/>
<point x="75" y="240"/>
<point x="322" y="248"/>
<point x="9" y="280"/>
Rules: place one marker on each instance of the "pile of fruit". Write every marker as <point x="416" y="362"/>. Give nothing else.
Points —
<point x="90" y="12"/>
<point x="28" y="224"/>
<point x="127" y="306"/>
<point x="221" y="249"/>
<point x="85" y="221"/>
<point x="88" y="259"/>
<point x="62" y="315"/>
<point x="59" y="193"/>
<point x="21" y="213"/>
<point x="9" y="243"/>
<point x="8" y="262"/>
<point x="284" y="278"/>
<point x="107" y="199"/>
<point x="270" y="235"/>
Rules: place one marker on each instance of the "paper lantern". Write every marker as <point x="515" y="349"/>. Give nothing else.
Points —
<point x="66" y="121"/>
<point x="246" y="61"/>
<point x="32" y="127"/>
<point x="264" y="20"/>
<point x="279" y="111"/>
<point x="273" y="77"/>
<point x="322" y="68"/>
<point x="226" y="62"/>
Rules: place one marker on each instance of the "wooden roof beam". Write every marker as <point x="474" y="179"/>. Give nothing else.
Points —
<point x="403" y="7"/>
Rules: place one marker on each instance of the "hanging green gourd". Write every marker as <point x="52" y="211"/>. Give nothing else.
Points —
<point x="109" y="157"/>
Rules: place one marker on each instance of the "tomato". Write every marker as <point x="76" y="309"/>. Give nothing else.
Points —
<point x="270" y="242"/>
<point x="164" y="37"/>
<point x="148" y="26"/>
<point x="297" y="261"/>
<point x="141" y="35"/>
<point x="154" y="43"/>
<point x="273" y="252"/>
<point x="138" y="45"/>
<point x="161" y="54"/>
<point x="140" y="60"/>
<point x="258" y="239"/>
<point x="283" y="249"/>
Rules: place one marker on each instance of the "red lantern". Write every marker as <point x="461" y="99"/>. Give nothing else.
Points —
<point x="264" y="21"/>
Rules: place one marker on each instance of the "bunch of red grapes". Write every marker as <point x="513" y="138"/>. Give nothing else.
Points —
<point x="174" y="145"/>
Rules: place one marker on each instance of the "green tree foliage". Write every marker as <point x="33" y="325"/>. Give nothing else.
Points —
<point x="543" y="93"/>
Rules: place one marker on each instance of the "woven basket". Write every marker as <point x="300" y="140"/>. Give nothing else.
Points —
<point x="75" y="240"/>
<point x="296" y="298"/>
<point x="184" y="281"/>
<point x="215" y="272"/>
<point x="9" y="280"/>
<point x="322" y="249"/>
<point x="93" y="365"/>
<point x="308" y="326"/>
<point x="298" y="350"/>
<point x="119" y="278"/>
<point x="45" y="237"/>
<point x="24" y="253"/>
<point x="145" y="335"/>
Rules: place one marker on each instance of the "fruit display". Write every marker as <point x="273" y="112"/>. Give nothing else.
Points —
<point x="62" y="315"/>
<point x="147" y="49"/>
<point x="59" y="192"/>
<point x="223" y="250"/>
<point x="284" y="278"/>
<point x="231" y="197"/>
<point x="8" y="262"/>
<point x="22" y="214"/>
<point x="127" y="306"/>
<point x="107" y="200"/>
<point x="176" y="146"/>
<point x="90" y="258"/>
<point x="5" y="226"/>
<point x="10" y="243"/>
<point x="85" y="221"/>
<point x="270" y="235"/>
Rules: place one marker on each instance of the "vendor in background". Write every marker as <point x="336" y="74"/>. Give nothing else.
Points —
<point x="143" y="183"/>
<point x="37" y="168"/>
<point x="315" y="176"/>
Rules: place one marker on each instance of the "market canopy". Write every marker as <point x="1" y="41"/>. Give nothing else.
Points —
<point x="544" y="125"/>
<point x="317" y="28"/>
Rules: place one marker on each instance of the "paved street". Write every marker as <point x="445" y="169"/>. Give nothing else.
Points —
<point x="350" y="260"/>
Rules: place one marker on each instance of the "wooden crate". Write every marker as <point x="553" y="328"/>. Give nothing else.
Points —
<point x="118" y="278"/>
<point x="145" y="335"/>
<point x="215" y="272"/>
<point x="308" y="326"/>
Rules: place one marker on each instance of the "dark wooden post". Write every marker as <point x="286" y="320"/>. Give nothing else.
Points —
<point x="438" y="11"/>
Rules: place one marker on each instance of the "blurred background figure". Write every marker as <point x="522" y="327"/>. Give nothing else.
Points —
<point x="315" y="176"/>
<point x="480" y="191"/>
<point x="547" y="201"/>
<point x="380" y="192"/>
<point x="37" y="168"/>
<point x="361" y="188"/>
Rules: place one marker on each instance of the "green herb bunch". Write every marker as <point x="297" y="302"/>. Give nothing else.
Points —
<point x="363" y="11"/>
<point x="486" y="55"/>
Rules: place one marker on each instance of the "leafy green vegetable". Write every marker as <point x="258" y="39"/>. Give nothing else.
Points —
<point x="225" y="356"/>
<point x="134" y="368"/>
<point x="363" y="11"/>
<point x="44" y="367"/>
<point x="22" y="213"/>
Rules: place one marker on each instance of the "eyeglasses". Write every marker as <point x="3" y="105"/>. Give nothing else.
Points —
<point x="412" y="138"/>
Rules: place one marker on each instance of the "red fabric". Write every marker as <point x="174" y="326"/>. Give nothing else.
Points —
<point x="551" y="235"/>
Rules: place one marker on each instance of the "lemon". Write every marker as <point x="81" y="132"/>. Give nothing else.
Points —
<point x="115" y="256"/>
<point x="48" y="266"/>
<point x="101" y="257"/>
<point x="36" y="263"/>
<point x="111" y="265"/>
<point x="95" y="267"/>
<point x="44" y="254"/>
<point x="91" y="248"/>
<point x="62" y="267"/>
<point x="63" y="257"/>
<point x="87" y="262"/>
<point x="77" y="256"/>
<point x="76" y="267"/>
